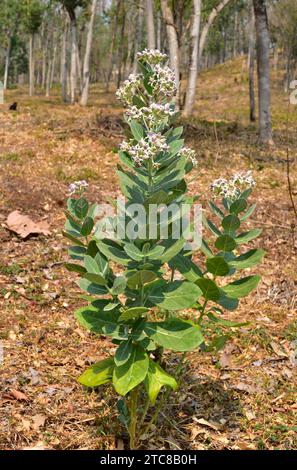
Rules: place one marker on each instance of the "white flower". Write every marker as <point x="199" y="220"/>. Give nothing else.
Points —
<point x="128" y="89"/>
<point x="147" y="148"/>
<point x="151" y="56"/>
<point x="77" y="187"/>
<point x="189" y="154"/>
<point x="232" y="188"/>
<point x="153" y="115"/>
<point x="163" y="81"/>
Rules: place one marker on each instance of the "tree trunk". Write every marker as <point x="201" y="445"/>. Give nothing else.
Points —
<point x="31" y="65"/>
<point x="73" y="71"/>
<point x="112" y="46"/>
<point x="138" y="34"/>
<point x="251" y="64"/>
<point x="173" y="45"/>
<point x="64" y="62"/>
<point x="193" y="68"/>
<point x="262" y="38"/>
<point x="7" y="62"/>
<point x="212" y="16"/>
<point x="86" y="70"/>
<point x="121" y="45"/>
<point x="150" y="25"/>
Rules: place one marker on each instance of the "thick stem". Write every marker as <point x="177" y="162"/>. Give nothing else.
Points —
<point x="133" y="418"/>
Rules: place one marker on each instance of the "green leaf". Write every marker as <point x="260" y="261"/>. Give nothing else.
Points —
<point x="137" y="130"/>
<point x="175" y="334"/>
<point x="172" y="251"/>
<point x="87" y="226"/>
<point x="133" y="252"/>
<point x="174" y="296"/>
<point x="238" y="206"/>
<point x="119" y="285"/>
<point x="226" y="302"/>
<point x="96" y="279"/>
<point x="98" y="321"/>
<point x="81" y="208"/>
<point x="225" y="243"/>
<point x="73" y="239"/>
<point x="242" y="287"/>
<point x="205" y="248"/>
<point x="91" y="287"/>
<point x="77" y="268"/>
<point x="223" y="322"/>
<point x="218" y="343"/>
<point x="72" y="228"/>
<point x="123" y="353"/>
<point x="113" y="252"/>
<point x="247" y="260"/>
<point x="77" y="252"/>
<point x="246" y="237"/>
<point x="132" y="372"/>
<point x="216" y="210"/>
<point x="98" y="374"/>
<point x="133" y="312"/>
<point x="217" y="266"/>
<point x="249" y="212"/>
<point x="140" y="278"/>
<point x="209" y="289"/>
<point x="230" y="223"/>
<point x="211" y="226"/>
<point x="91" y="265"/>
<point x="186" y="267"/>
<point x="156" y="379"/>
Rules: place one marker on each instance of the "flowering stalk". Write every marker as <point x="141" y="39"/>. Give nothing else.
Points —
<point x="143" y="309"/>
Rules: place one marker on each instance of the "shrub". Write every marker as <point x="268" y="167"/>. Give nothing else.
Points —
<point x="143" y="309"/>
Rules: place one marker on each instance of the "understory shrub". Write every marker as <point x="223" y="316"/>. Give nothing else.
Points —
<point x="146" y="291"/>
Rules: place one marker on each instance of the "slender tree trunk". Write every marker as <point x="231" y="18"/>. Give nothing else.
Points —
<point x="7" y="62"/>
<point x="173" y="45"/>
<point x="150" y="25"/>
<point x="31" y="65"/>
<point x="86" y="70"/>
<point x="48" y="77"/>
<point x="262" y="38"/>
<point x="73" y="71"/>
<point x="193" y="68"/>
<point x="251" y="65"/>
<point x="64" y="62"/>
<point x="121" y="46"/>
<point x="212" y="16"/>
<point x="138" y="34"/>
<point x="52" y="77"/>
<point x="112" y="46"/>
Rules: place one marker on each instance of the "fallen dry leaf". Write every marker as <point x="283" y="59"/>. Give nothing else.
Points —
<point x="18" y="395"/>
<point x="23" y="226"/>
<point x="38" y="446"/>
<point x="210" y="424"/>
<point x="38" y="421"/>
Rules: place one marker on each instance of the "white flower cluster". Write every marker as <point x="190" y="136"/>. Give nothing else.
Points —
<point x="163" y="81"/>
<point x="129" y="88"/>
<point x="231" y="189"/>
<point x="77" y="187"/>
<point x="151" y="56"/>
<point x="147" y="148"/>
<point x="153" y="115"/>
<point x="244" y="180"/>
<point x="189" y="154"/>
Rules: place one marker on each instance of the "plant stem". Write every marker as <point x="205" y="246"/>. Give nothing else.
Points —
<point x="202" y="312"/>
<point x="133" y="418"/>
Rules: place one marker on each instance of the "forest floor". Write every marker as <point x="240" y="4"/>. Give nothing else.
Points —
<point x="242" y="398"/>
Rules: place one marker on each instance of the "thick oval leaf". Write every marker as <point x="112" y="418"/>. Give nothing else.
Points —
<point x="175" y="334"/>
<point x="114" y="253"/>
<point x="132" y="372"/>
<point x="210" y="290"/>
<point x="246" y="237"/>
<point x="123" y="353"/>
<point x="156" y="379"/>
<point x="238" y="206"/>
<point x="242" y="287"/>
<point x="134" y="312"/>
<point x="81" y="207"/>
<point x="247" y="260"/>
<point x="119" y="285"/>
<point x="211" y="226"/>
<point x="174" y="296"/>
<point x="137" y="130"/>
<point x="230" y="223"/>
<point x="217" y="266"/>
<point x="186" y="267"/>
<point x="133" y="252"/>
<point x="216" y="210"/>
<point x="227" y="302"/>
<point x="225" y="243"/>
<point x="87" y="226"/>
<point x="140" y="278"/>
<point x="98" y="374"/>
<point x="174" y="249"/>
<point x="91" y="287"/>
<point x="223" y="322"/>
<point x="96" y="279"/>
<point x="249" y="212"/>
<point x="100" y="321"/>
<point x="77" y="268"/>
